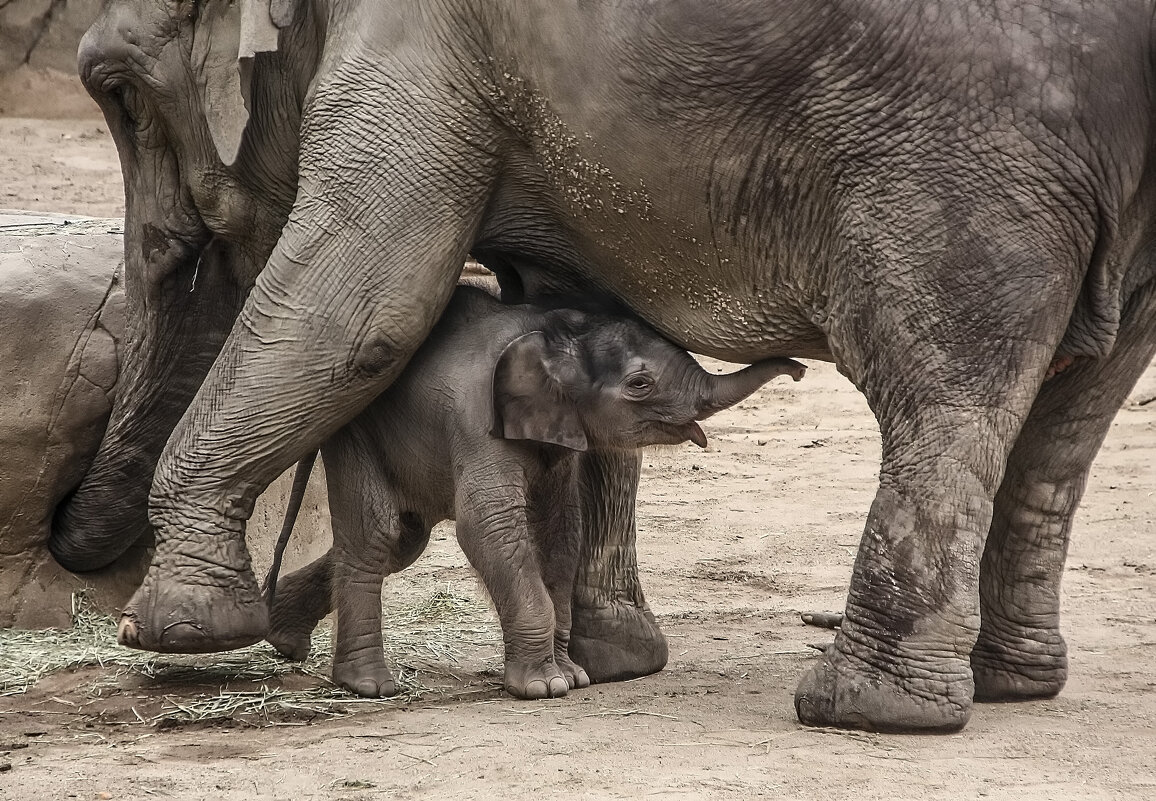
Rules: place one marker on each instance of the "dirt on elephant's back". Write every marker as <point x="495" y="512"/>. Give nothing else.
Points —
<point x="734" y="541"/>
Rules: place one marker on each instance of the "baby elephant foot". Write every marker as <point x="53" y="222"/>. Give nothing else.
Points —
<point x="302" y="600"/>
<point x="848" y="693"/>
<point x="368" y="678"/>
<point x="575" y="674"/>
<point x="532" y="682"/>
<point x="292" y="642"/>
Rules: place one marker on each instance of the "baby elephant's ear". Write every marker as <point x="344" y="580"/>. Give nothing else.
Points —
<point x="530" y="400"/>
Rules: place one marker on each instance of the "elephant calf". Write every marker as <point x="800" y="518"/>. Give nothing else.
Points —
<point x="484" y="427"/>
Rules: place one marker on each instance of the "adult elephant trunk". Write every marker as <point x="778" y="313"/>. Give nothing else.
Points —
<point x="184" y="283"/>
<point x="182" y="300"/>
<point x="723" y="391"/>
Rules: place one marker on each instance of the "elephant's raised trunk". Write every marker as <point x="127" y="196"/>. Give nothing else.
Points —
<point x="723" y="391"/>
<point x="175" y="331"/>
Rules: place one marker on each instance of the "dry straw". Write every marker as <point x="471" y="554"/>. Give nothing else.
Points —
<point x="422" y="639"/>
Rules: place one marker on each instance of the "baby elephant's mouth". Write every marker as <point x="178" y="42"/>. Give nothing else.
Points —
<point x="691" y="432"/>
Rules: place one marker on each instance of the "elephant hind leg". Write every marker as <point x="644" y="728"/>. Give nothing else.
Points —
<point x="951" y="384"/>
<point x="1020" y="653"/>
<point x="304" y="597"/>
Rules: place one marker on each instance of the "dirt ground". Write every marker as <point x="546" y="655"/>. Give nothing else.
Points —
<point x="734" y="542"/>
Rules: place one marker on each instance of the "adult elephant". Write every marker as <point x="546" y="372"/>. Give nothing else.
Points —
<point x="952" y="201"/>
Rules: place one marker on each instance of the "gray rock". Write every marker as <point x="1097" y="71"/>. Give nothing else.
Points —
<point x="43" y="33"/>
<point x="61" y="323"/>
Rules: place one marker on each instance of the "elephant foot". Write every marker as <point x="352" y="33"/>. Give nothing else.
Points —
<point x="303" y="598"/>
<point x="849" y="694"/>
<point x="1019" y="670"/>
<point x="292" y="641"/>
<point x="616" y="642"/>
<point x="171" y="616"/>
<point x="576" y="675"/>
<point x="367" y="678"/>
<point x="535" y="681"/>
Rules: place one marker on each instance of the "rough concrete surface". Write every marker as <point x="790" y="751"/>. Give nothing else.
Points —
<point x="61" y="320"/>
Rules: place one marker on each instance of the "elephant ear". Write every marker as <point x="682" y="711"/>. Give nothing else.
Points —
<point x="226" y="38"/>
<point x="533" y="393"/>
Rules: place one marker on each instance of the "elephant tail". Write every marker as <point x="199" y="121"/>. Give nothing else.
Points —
<point x="296" y="496"/>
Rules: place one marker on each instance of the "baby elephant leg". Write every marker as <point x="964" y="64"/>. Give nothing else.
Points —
<point x="303" y="598"/>
<point x="366" y="528"/>
<point x="557" y="525"/>
<point x="495" y="538"/>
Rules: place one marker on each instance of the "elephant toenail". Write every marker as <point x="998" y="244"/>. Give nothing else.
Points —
<point x="126" y="632"/>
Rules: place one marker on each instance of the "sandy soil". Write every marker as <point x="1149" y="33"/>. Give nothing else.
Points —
<point x="733" y="542"/>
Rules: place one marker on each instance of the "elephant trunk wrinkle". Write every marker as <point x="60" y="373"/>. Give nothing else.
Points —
<point x="724" y="391"/>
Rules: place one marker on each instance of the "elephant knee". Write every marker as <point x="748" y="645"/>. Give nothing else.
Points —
<point x="379" y="354"/>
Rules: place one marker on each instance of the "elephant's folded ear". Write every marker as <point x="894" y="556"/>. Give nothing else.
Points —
<point x="226" y="39"/>
<point x="258" y="29"/>
<point x="529" y="400"/>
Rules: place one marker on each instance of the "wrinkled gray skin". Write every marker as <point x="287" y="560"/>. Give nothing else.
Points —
<point x="950" y="200"/>
<point x="484" y="427"/>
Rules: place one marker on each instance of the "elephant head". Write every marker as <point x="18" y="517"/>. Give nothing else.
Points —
<point x="614" y="385"/>
<point x="203" y="101"/>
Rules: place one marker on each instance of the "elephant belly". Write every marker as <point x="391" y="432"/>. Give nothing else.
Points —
<point x="697" y="298"/>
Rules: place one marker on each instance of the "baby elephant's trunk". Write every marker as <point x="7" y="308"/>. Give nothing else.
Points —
<point x="723" y="391"/>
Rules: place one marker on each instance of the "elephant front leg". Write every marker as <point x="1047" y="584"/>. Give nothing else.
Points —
<point x="494" y="532"/>
<point x="1020" y="653"/>
<point x="362" y="271"/>
<point x="614" y="635"/>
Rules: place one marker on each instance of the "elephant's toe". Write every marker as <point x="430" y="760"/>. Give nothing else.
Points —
<point x="579" y="679"/>
<point x="576" y="675"/>
<point x="536" y="682"/>
<point x="369" y="688"/>
<point x="366" y="681"/>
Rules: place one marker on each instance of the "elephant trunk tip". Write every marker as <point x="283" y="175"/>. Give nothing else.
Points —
<point x="796" y="370"/>
<point x="724" y="391"/>
<point x="87" y="536"/>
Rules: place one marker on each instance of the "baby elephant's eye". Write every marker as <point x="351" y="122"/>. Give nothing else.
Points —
<point x="638" y="386"/>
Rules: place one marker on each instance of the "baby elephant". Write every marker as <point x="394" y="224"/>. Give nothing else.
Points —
<point x="484" y="427"/>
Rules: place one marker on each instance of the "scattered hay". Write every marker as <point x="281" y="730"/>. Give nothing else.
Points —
<point x="421" y="639"/>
